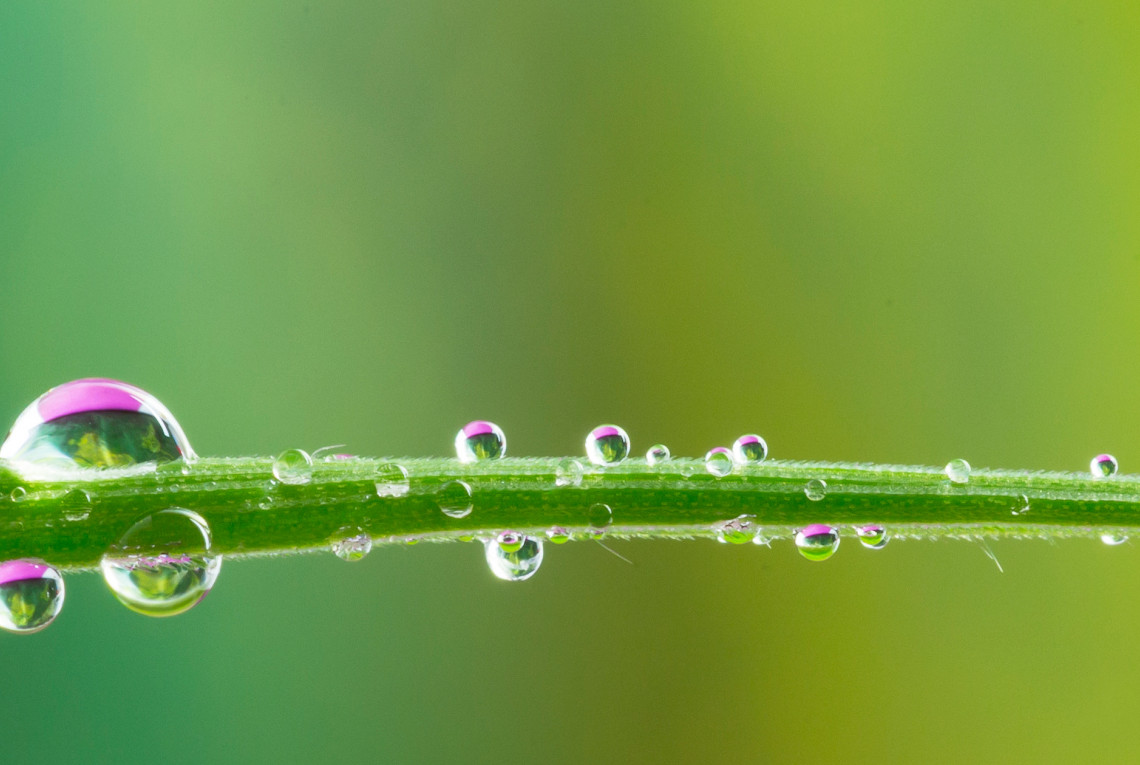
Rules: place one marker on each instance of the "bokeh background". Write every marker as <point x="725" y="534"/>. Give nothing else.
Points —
<point x="878" y="231"/>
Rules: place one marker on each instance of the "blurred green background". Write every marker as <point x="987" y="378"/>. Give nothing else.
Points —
<point x="878" y="231"/>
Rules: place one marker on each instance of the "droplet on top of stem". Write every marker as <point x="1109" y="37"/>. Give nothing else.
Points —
<point x="607" y="445"/>
<point x="480" y="440"/>
<point x="750" y="449"/>
<point x="1103" y="466"/>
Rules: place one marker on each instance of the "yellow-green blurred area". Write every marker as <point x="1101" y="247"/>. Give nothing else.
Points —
<point x="885" y="231"/>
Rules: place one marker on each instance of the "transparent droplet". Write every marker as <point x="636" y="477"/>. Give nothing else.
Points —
<point x="454" y="499"/>
<point x="958" y="471"/>
<point x="163" y="565"/>
<point x="657" y="454"/>
<point x="93" y="423"/>
<point x="750" y="449"/>
<point x="568" y="472"/>
<point x="352" y="544"/>
<point x="1103" y="466"/>
<point x="391" y="480"/>
<point x="31" y="595"/>
<point x="607" y="445"/>
<point x="873" y="537"/>
<point x="815" y="489"/>
<point x="1021" y="505"/>
<point x="509" y="541"/>
<point x="517" y="565"/>
<point x="18" y="494"/>
<point x="738" y="531"/>
<point x="293" y="466"/>
<point x="599" y="518"/>
<point x="480" y="440"/>
<point x="558" y="535"/>
<point x="1112" y="540"/>
<point x="817" y="541"/>
<point x="718" y="461"/>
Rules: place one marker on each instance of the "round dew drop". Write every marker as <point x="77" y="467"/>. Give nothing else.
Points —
<point x="873" y="537"/>
<point x="749" y="449"/>
<point x="31" y="595"/>
<point x="352" y="546"/>
<point x="517" y="564"/>
<point x="817" y="542"/>
<point x="509" y="541"/>
<point x="607" y="445"/>
<point x="293" y="467"/>
<point x="599" y="518"/>
<point x="392" y="480"/>
<point x="1103" y="466"/>
<point x="480" y="440"/>
<point x="740" y="530"/>
<point x="1112" y="540"/>
<point x="958" y="471"/>
<point x="657" y="454"/>
<point x="454" y="499"/>
<point x="815" y="489"/>
<point x="558" y="535"/>
<point x="568" y="472"/>
<point x="719" y="462"/>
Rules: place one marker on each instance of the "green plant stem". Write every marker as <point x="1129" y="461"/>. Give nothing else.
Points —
<point x="71" y="523"/>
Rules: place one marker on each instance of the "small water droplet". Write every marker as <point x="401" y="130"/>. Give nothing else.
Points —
<point x="657" y="454"/>
<point x="873" y="537"/>
<point x="607" y="445"/>
<point x="817" y="541"/>
<point x="558" y="535"/>
<point x="93" y="423"/>
<point x="19" y="494"/>
<point x="1103" y="466"/>
<point x="958" y="471"/>
<point x="265" y="503"/>
<point x="293" y="466"/>
<point x="509" y="541"/>
<point x="599" y="517"/>
<point x="515" y="565"/>
<point x="815" y="489"/>
<point x="480" y="440"/>
<point x="163" y="565"/>
<point x="31" y="595"/>
<point x="392" y="480"/>
<point x="718" y="461"/>
<point x="568" y="472"/>
<point x="1020" y="505"/>
<point x="352" y="544"/>
<point x="1112" y="540"/>
<point x="738" y="531"/>
<point x="750" y="449"/>
<point x="454" y="499"/>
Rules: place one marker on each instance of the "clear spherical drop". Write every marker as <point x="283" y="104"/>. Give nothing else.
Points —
<point x="558" y="535"/>
<point x="392" y="480"/>
<point x="657" y="454"/>
<point x="1112" y="540"/>
<point x="599" y="518"/>
<point x="607" y="445"/>
<point x="958" y="471"/>
<point x="738" y="531"/>
<point x="568" y="473"/>
<point x="509" y="541"/>
<point x="1103" y="466"/>
<point x="516" y="565"/>
<point x="480" y="440"/>
<point x="1021" y="505"/>
<point x="93" y="423"/>
<point x="31" y="595"/>
<point x="750" y="449"/>
<point x="163" y="565"/>
<point x="873" y="537"/>
<point x="718" y="461"/>
<point x="815" y="489"/>
<point x="454" y="499"/>
<point x="817" y="541"/>
<point x="351" y="544"/>
<point x="293" y="466"/>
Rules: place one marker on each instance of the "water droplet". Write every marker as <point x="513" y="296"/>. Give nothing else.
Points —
<point x="719" y="462"/>
<point x="352" y="544"/>
<point x="599" y="517"/>
<point x="738" y="531"/>
<point x="750" y="449"/>
<point x="873" y="537"/>
<point x="509" y="541"/>
<point x="480" y="440"/>
<point x="31" y="595"/>
<point x="163" y="566"/>
<point x="817" y="541"/>
<point x="1112" y="540"/>
<point x="515" y="565"/>
<point x="293" y="466"/>
<point x="1103" y="466"/>
<point x="815" y="489"/>
<point x="391" y="480"/>
<point x="958" y="471"/>
<point x="1020" y="505"/>
<point x="558" y="535"/>
<point x="607" y="445"/>
<point x="657" y="454"/>
<point x="568" y="472"/>
<point x="19" y="494"/>
<point x="454" y="499"/>
<point x="93" y="423"/>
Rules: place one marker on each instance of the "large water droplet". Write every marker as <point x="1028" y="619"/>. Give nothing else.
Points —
<point x="738" y="531"/>
<point x="293" y="466"/>
<point x="718" y="461"/>
<point x="454" y="499"/>
<point x="352" y="544"/>
<point x="815" y="489"/>
<point x="480" y="440"/>
<point x="657" y="454"/>
<point x="163" y="566"/>
<point x="568" y="472"/>
<point x="607" y="445"/>
<point x="93" y="423"/>
<point x="1103" y="466"/>
<point x="31" y="595"/>
<point x="817" y="541"/>
<point x="392" y="480"/>
<point x="517" y="564"/>
<point x="750" y="449"/>
<point x="873" y="537"/>
<point x="1112" y="540"/>
<point x="599" y="518"/>
<point x="958" y="471"/>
